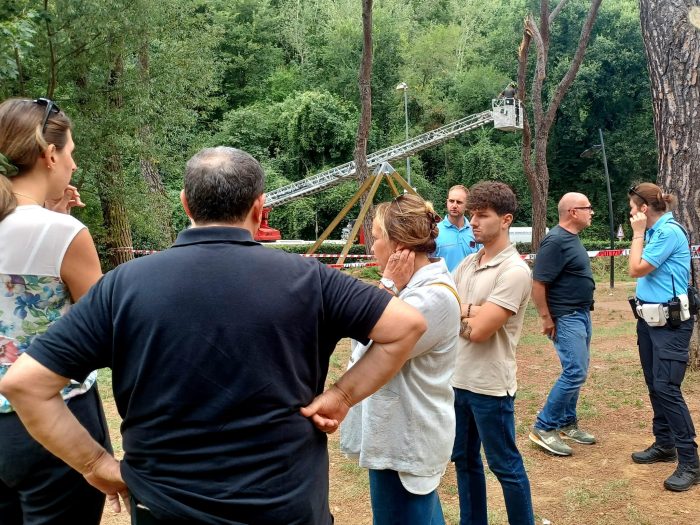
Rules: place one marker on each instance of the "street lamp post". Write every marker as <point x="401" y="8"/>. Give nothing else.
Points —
<point x="589" y="153"/>
<point x="403" y="86"/>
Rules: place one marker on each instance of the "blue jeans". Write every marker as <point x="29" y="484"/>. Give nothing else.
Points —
<point x="392" y="504"/>
<point x="573" y="345"/>
<point x="489" y="420"/>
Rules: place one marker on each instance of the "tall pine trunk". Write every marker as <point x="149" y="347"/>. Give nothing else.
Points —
<point x="365" y="82"/>
<point x="672" y="47"/>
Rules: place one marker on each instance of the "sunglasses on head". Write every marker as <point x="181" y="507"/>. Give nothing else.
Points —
<point x="633" y="191"/>
<point x="51" y="107"/>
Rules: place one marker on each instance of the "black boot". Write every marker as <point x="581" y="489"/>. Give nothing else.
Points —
<point x="655" y="454"/>
<point x="683" y="478"/>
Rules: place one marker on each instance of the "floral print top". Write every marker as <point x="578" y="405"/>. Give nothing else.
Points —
<point x="29" y="304"/>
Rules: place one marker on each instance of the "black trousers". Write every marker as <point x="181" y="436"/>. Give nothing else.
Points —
<point x="37" y="488"/>
<point x="663" y="352"/>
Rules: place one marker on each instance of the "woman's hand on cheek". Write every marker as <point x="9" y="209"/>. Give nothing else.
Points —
<point x="400" y="267"/>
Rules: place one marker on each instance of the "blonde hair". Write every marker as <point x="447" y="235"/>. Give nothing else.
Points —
<point x="22" y="141"/>
<point x="651" y="195"/>
<point x="459" y="187"/>
<point x="410" y="221"/>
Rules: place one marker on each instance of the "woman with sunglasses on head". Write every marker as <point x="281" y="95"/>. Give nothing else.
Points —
<point x="47" y="261"/>
<point x="660" y="259"/>
<point x="405" y="431"/>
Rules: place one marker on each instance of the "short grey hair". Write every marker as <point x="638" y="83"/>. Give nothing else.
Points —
<point x="221" y="184"/>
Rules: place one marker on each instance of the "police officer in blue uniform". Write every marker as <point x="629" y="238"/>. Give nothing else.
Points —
<point x="660" y="259"/>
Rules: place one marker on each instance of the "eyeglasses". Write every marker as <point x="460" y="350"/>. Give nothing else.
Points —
<point x="51" y="107"/>
<point x="589" y="208"/>
<point x="633" y="191"/>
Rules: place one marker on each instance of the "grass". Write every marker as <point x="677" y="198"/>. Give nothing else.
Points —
<point x="589" y="495"/>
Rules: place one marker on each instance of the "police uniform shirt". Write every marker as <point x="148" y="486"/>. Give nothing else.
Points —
<point x="667" y="251"/>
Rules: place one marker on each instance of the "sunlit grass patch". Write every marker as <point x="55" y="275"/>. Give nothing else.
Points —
<point x="588" y="494"/>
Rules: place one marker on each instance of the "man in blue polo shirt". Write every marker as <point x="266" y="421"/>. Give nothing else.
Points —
<point x="456" y="239"/>
<point x="216" y="346"/>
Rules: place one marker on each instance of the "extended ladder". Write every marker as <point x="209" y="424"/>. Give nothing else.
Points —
<point x="333" y="176"/>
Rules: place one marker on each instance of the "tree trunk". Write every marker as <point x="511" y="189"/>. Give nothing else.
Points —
<point x="535" y="162"/>
<point x="149" y="169"/>
<point x="20" y="73"/>
<point x="114" y="213"/>
<point x="672" y="48"/>
<point x="53" y="76"/>
<point x="110" y="185"/>
<point x="365" y="82"/>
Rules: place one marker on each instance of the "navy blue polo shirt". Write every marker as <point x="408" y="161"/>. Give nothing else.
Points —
<point x="563" y="264"/>
<point x="215" y="344"/>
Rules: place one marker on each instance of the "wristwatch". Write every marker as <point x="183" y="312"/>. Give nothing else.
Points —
<point x="389" y="285"/>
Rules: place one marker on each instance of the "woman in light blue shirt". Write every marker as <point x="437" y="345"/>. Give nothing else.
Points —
<point x="660" y="259"/>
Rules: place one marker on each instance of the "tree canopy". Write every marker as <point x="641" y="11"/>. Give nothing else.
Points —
<point x="149" y="84"/>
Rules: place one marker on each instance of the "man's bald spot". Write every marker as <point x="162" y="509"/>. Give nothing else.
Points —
<point x="571" y="200"/>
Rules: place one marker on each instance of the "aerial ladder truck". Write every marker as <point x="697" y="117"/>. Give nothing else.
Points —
<point x="505" y="114"/>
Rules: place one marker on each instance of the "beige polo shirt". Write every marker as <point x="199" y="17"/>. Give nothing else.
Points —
<point x="489" y="368"/>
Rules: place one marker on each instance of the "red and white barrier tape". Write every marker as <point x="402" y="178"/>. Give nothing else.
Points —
<point x="354" y="265"/>
<point x="325" y="255"/>
<point x="695" y="253"/>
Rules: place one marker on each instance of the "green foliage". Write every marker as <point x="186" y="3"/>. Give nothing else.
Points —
<point x="319" y="129"/>
<point x="278" y="78"/>
<point x="17" y="31"/>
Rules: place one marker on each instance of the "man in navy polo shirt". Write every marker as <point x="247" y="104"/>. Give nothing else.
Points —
<point x="562" y="291"/>
<point x="456" y="239"/>
<point x="215" y="346"/>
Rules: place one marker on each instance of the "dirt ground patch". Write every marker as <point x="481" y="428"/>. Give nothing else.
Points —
<point x="599" y="484"/>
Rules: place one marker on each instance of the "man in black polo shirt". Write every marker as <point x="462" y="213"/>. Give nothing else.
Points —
<point x="562" y="291"/>
<point x="215" y="346"/>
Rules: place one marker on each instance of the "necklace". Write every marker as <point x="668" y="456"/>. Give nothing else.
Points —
<point x="26" y="197"/>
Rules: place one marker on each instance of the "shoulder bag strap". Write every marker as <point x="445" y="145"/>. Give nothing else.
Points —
<point x="690" y="248"/>
<point x="454" y="292"/>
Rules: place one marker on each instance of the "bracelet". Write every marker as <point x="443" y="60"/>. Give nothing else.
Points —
<point x="469" y="309"/>
<point x="638" y="237"/>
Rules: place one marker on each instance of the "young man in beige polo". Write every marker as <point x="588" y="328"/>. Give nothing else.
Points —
<point x="494" y="285"/>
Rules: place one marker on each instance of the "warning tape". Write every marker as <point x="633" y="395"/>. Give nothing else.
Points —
<point x="695" y="254"/>
<point x="354" y="265"/>
<point x="326" y="255"/>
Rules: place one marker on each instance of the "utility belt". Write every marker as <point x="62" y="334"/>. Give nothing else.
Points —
<point x="673" y="312"/>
